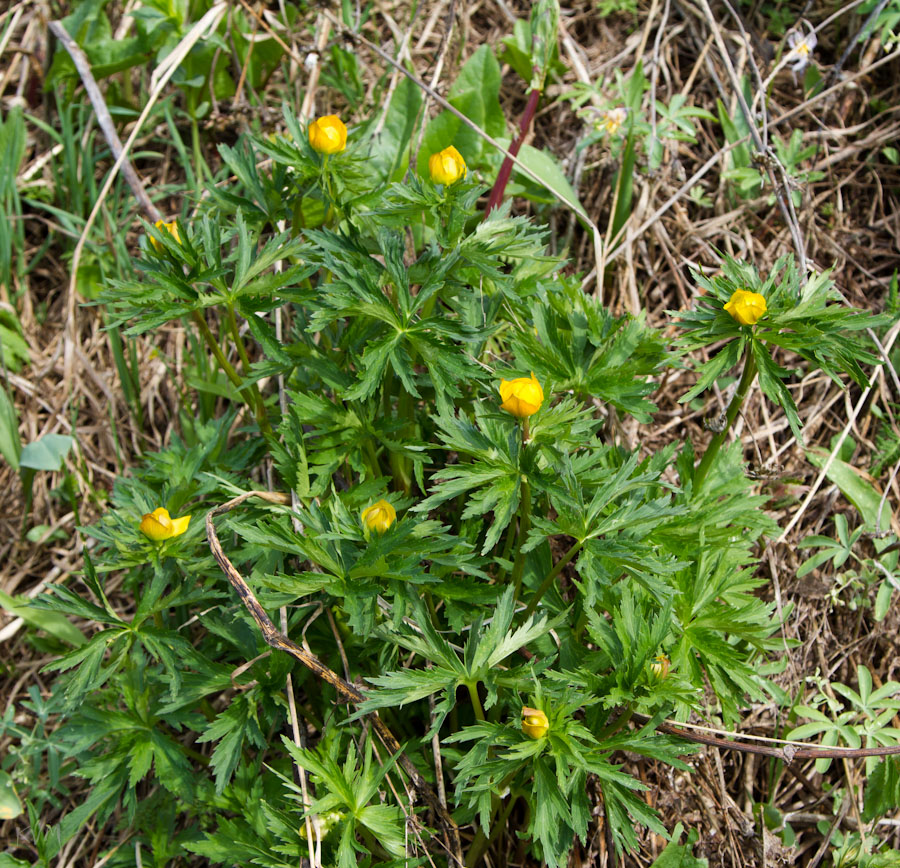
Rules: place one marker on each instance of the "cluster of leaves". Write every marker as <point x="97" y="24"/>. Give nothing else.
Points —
<point x="537" y="565"/>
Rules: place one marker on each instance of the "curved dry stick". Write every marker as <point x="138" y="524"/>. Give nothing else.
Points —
<point x="787" y="751"/>
<point x="276" y="639"/>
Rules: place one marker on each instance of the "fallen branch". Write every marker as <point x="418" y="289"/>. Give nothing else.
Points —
<point x="777" y="748"/>
<point x="276" y="639"/>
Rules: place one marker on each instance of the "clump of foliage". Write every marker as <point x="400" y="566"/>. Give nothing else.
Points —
<point x="463" y="556"/>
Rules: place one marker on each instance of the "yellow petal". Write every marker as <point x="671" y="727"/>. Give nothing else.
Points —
<point x="180" y="525"/>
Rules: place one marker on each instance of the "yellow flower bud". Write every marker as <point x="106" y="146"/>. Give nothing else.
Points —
<point x="660" y="666"/>
<point x="522" y="397"/>
<point x="328" y="135"/>
<point x="447" y="166"/>
<point x="171" y="228"/>
<point x="534" y="722"/>
<point x="158" y="526"/>
<point x="379" y="516"/>
<point x="746" y="307"/>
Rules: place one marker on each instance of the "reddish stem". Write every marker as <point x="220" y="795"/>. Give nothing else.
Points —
<point x="496" y="197"/>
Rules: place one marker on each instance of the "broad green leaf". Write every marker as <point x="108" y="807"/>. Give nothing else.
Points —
<point x="545" y="166"/>
<point x="53" y="623"/>
<point x="47" y="453"/>
<point x="476" y="94"/>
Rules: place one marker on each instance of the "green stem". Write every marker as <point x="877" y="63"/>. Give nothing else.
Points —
<point x="246" y="393"/>
<point x="262" y="417"/>
<point x="476" y="701"/>
<point x="718" y="439"/>
<point x="200" y="168"/>
<point x="401" y="464"/>
<point x="507" y="548"/>
<point x="481" y="842"/>
<point x="551" y="576"/>
<point x="524" y="525"/>
<point x="236" y="336"/>
<point x="372" y="459"/>
<point x="617" y="724"/>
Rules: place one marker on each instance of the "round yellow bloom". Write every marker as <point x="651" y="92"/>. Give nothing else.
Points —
<point x="746" y="307"/>
<point x="522" y="397"/>
<point x="447" y="166"/>
<point x="328" y="135"/>
<point x="534" y="722"/>
<point x="171" y="228"/>
<point x="660" y="666"/>
<point x="379" y="516"/>
<point x="157" y="525"/>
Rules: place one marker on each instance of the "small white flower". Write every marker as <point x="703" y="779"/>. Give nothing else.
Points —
<point x="311" y="61"/>
<point x="801" y="48"/>
<point x="612" y="119"/>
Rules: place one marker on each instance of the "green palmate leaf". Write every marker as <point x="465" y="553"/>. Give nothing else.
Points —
<point x="678" y="855"/>
<point x="578" y="345"/>
<point x="232" y="729"/>
<point x="800" y="318"/>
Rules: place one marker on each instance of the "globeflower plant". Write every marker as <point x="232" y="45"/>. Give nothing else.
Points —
<point x="485" y="675"/>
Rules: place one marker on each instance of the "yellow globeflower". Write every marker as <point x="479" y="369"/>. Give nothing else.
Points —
<point x="328" y="135"/>
<point x="746" y="307"/>
<point x="379" y="516"/>
<point x="522" y="397"/>
<point x="447" y="166"/>
<point x="171" y="228"/>
<point x="534" y="722"/>
<point x="660" y="666"/>
<point x="157" y="525"/>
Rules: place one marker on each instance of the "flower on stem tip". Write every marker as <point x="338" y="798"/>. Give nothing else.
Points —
<point x="800" y="49"/>
<point x="447" y="166"/>
<point x="171" y="228"/>
<point x="158" y="525"/>
<point x="612" y="119"/>
<point x="746" y="307"/>
<point x="522" y="397"/>
<point x="328" y="135"/>
<point x="534" y="722"/>
<point x="660" y="666"/>
<point x="379" y="516"/>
